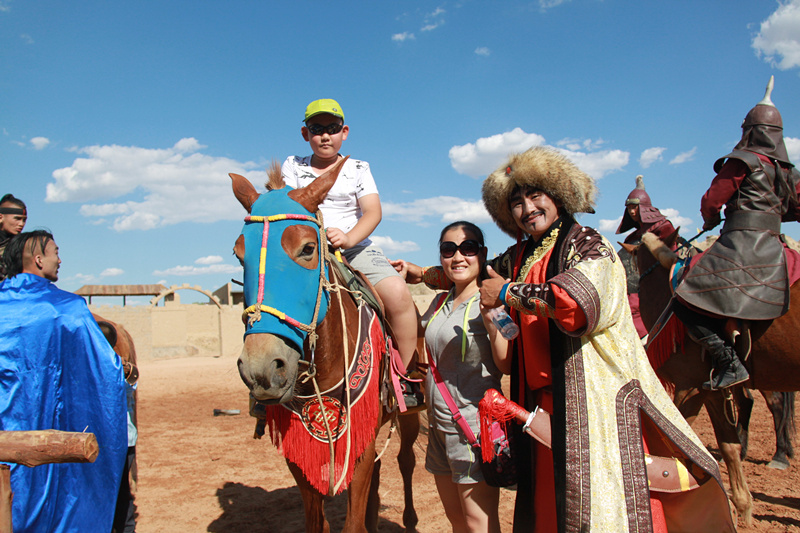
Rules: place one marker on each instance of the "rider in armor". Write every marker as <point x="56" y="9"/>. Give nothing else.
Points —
<point x="743" y="275"/>
<point x="641" y="215"/>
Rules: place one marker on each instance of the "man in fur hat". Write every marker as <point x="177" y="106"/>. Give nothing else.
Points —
<point x="744" y="274"/>
<point x="641" y="215"/>
<point x="578" y="357"/>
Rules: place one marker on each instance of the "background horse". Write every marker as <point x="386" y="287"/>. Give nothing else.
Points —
<point x="773" y="364"/>
<point x="300" y="341"/>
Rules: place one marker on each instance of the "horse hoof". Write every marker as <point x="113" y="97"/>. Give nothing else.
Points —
<point x="778" y="465"/>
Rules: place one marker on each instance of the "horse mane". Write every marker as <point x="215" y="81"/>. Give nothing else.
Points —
<point x="660" y="250"/>
<point x="274" y="177"/>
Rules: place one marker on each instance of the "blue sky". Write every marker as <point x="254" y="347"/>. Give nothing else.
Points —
<point x="119" y="121"/>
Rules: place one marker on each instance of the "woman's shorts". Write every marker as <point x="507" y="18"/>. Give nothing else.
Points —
<point x="449" y="454"/>
<point x="371" y="262"/>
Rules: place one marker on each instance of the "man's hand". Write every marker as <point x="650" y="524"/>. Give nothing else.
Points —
<point x="338" y="238"/>
<point x="408" y="271"/>
<point x="491" y="288"/>
<point x="712" y="222"/>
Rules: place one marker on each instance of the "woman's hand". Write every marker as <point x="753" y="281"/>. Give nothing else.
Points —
<point x="491" y="288"/>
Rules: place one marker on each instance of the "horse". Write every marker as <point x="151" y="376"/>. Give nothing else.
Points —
<point x="301" y="344"/>
<point x="773" y="364"/>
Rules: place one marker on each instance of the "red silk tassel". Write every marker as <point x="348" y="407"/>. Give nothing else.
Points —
<point x="494" y="407"/>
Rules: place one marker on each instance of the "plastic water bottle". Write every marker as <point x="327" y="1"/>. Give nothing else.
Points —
<point x="507" y="328"/>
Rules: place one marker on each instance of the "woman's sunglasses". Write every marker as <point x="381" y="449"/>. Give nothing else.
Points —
<point x="330" y="129"/>
<point x="467" y="248"/>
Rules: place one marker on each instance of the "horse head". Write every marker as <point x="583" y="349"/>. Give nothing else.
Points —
<point x="279" y="248"/>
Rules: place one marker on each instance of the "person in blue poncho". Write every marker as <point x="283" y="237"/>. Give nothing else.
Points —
<point x="57" y="371"/>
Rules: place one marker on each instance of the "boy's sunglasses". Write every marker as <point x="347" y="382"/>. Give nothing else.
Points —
<point x="467" y="248"/>
<point x="330" y="129"/>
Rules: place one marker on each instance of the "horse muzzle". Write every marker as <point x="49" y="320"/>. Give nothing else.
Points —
<point x="268" y="366"/>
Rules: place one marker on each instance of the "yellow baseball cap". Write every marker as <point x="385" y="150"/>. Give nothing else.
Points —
<point x="325" y="105"/>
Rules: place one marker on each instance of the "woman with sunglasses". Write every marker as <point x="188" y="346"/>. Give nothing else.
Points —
<point x="471" y="356"/>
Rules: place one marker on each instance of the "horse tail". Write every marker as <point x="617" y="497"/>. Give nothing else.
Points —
<point x="785" y="427"/>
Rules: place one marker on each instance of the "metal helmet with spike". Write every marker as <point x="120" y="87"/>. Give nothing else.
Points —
<point x="764" y="113"/>
<point x="762" y="129"/>
<point x="648" y="214"/>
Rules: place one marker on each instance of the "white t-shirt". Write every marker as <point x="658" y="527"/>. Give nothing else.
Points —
<point x="340" y="208"/>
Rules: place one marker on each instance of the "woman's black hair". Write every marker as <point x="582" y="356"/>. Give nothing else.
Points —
<point x="468" y="227"/>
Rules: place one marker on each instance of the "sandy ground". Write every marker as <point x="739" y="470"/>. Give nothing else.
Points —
<point x="200" y="472"/>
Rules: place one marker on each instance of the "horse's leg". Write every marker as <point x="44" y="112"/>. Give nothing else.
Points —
<point x="689" y="401"/>
<point x="729" y="446"/>
<point x="781" y="405"/>
<point x="312" y="502"/>
<point x="374" y="500"/>
<point x="744" y="404"/>
<point x="359" y="491"/>
<point x="409" y="431"/>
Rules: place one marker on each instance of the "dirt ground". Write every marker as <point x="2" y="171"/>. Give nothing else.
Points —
<point x="200" y="472"/>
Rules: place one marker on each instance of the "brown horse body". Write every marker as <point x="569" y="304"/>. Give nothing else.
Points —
<point x="269" y="366"/>
<point x="774" y="365"/>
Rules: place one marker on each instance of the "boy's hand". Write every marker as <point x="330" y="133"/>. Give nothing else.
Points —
<point x="491" y="289"/>
<point x="338" y="238"/>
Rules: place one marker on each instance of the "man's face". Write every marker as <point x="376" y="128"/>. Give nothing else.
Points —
<point x="12" y="224"/>
<point x="533" y="211"/>
<point x="49" y="261"/>
<point x="325" y="145"/>
<point x="633" y="212"/>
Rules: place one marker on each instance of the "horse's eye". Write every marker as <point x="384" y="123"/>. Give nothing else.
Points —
<point x="308" y="250"/>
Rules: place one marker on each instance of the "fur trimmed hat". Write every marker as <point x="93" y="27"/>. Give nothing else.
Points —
<point x="541" y="168"/>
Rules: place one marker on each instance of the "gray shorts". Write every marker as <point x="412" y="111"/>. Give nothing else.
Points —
<point x="371" y="262"/>
<point x="449" y="454"/>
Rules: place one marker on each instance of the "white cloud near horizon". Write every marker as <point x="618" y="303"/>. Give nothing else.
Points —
<point x="111" y="272"/>
<point x="483" y="51"/>
<point x="441" y="209"/>
<point x="486" y="154"/>
<point x="778" y="38"/>
<point x="651" y="155"/>
<point x="793" y="149"/>
<point x="209" y="260"/>
<point x="683" y="157"/>
<point x="189" y="270"/>
<point x="178" y="184"/>
<point x="391" y="247"/>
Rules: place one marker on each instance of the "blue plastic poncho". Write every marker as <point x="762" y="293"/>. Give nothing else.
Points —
<point x="57" y="371"/>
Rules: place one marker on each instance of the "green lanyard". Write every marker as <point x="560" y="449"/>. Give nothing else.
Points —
<point x="464" y="326"/>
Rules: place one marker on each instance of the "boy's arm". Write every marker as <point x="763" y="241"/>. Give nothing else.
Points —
<point x="371" y="215"/>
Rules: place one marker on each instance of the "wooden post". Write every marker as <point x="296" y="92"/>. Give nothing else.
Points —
<point x="33" y="448"/>
<point x="6" y="496"/>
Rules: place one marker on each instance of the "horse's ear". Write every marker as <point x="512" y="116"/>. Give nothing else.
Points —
<point x="672" y="238"/>
<point x="244" y="191"/>
<point x="313" y="194"/>
<point x="630" y="248"/>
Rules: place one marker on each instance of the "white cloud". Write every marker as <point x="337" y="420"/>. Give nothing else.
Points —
<point x="651" y="155"/>
<point x="546" y="4"/>
<point x="440" y="209"/>
<point x="111" y="272"/>
<point x="40" y="142"/>
<point x="683" y="157"/>
<point x="400" y="37"/>
<point x="483" y="51"/>
<point x="430" y="27"/>
<point x="80" y="278"/>
<point x="196" y="271"/>
<point x="391" y="247"/>
<point x="27" y="39"/>
<point x="178" y="184"/>
<point x="609" y="226"/>
<point x="793" y="149"/>
<point x="488" y="153"/>
<point x="778" y="39"/>
<point x="675" y="217"/>
<point x="209" y="260"/>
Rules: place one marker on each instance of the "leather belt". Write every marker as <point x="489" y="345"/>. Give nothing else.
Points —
<point x="664" y="474"/>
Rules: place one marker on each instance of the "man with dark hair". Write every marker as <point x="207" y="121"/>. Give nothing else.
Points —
<point x="59" y="372"/>
<point x="13" y="216"/>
